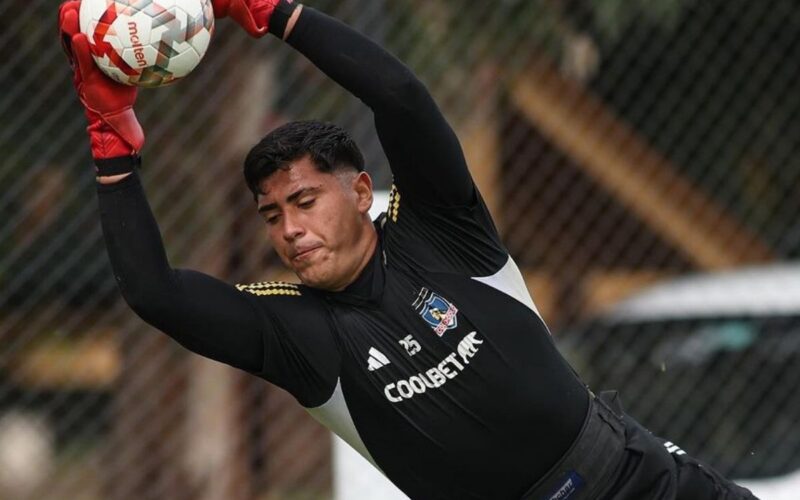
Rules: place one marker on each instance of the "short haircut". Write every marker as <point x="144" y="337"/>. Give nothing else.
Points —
<point x="329" y="146"/>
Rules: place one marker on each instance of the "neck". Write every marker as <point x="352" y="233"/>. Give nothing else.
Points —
<point x="365" y="249"/>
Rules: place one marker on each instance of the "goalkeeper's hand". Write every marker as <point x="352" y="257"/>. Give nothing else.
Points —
<point x="257" y="17"/>
<point x="113" y="129"/>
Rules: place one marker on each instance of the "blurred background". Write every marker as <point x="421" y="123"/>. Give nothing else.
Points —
<point x="621" y="145"/>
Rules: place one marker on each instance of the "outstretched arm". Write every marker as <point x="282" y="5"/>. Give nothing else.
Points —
<point x="203" y="314"/>
<point x="423" y="151"/>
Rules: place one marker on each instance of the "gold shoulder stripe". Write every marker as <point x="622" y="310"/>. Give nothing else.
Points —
<point x="394" y="203"/>
<point x="269" y="284"/>
<point x="270" y="288"/>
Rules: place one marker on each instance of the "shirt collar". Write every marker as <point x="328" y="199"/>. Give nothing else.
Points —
<point x="368" y="286"/>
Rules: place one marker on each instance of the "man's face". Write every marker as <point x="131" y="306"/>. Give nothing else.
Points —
<point x="318" y="222"/>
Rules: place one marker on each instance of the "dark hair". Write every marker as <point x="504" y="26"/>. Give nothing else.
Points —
<point x="329" y="146"/>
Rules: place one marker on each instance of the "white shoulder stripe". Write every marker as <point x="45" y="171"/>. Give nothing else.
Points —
<point x="509" y="281"/>
<point x="335" y="415"/>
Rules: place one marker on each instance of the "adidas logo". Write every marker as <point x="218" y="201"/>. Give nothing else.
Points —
<point x="376" y="359"/>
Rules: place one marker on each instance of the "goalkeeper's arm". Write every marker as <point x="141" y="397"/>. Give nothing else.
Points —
<point x="423" y="151"/>
<point x="205" y="315"/>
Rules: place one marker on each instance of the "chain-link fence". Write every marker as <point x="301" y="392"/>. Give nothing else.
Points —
<point x="617" y="142"/>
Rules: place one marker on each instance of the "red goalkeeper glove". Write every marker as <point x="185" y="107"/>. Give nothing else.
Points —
<point x="257" y="17"/>
<point x="115" y="134"/>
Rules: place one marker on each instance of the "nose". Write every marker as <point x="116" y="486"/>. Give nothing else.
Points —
<point x="292" y="229"/>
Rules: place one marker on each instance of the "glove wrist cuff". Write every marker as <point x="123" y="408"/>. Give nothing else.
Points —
<point x="280" y="17"/>
<point x="117" y="165"/>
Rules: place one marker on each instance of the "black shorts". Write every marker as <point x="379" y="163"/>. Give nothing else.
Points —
<point x="656" y="469"/>
<point x="615" y="458"/>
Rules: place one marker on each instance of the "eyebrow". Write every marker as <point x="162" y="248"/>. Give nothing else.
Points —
<point x="290" y="199"/>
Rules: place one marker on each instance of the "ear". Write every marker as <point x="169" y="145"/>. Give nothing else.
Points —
<point x="362" y="185"/>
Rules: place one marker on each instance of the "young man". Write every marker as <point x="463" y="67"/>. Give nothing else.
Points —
<point x="413" y="338"/>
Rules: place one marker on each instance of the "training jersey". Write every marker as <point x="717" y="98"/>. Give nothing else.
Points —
<point x="435" y="364"/>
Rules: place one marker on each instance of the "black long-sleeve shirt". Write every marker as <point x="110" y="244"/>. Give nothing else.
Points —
<point x="434" y="364"/>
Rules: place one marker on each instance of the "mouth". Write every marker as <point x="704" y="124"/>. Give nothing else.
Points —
<point x="305" y="253"/>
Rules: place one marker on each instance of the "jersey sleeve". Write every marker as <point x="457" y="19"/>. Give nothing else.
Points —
<point x="244" y="328"/>
<point x="301" y="354"/>
<point x="423" y="151"/>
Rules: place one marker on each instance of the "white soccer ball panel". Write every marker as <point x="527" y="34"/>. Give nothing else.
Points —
<point x="180" y="18"/>
<point x="168" y="4"/>
<point x="200" y="41"/>
<point x="171" y="26"/>
<point x="181" y="47"/>
<point x="183" y="63"/>
<point x="192" y="9"/>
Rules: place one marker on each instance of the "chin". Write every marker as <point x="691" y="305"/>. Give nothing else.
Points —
<point x="319" y="274"/>
<point x="312" y="278"/>
<point x="319" y="281"/>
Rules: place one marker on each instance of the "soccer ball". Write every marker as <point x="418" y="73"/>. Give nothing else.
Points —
<point x="147" y="43"/>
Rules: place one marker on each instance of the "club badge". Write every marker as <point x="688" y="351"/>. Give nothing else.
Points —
<point x="437" y="311"/>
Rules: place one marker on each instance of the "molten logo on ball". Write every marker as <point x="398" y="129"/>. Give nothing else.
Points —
<point x="148" y="43"/>
<point x="138" y="50"/>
